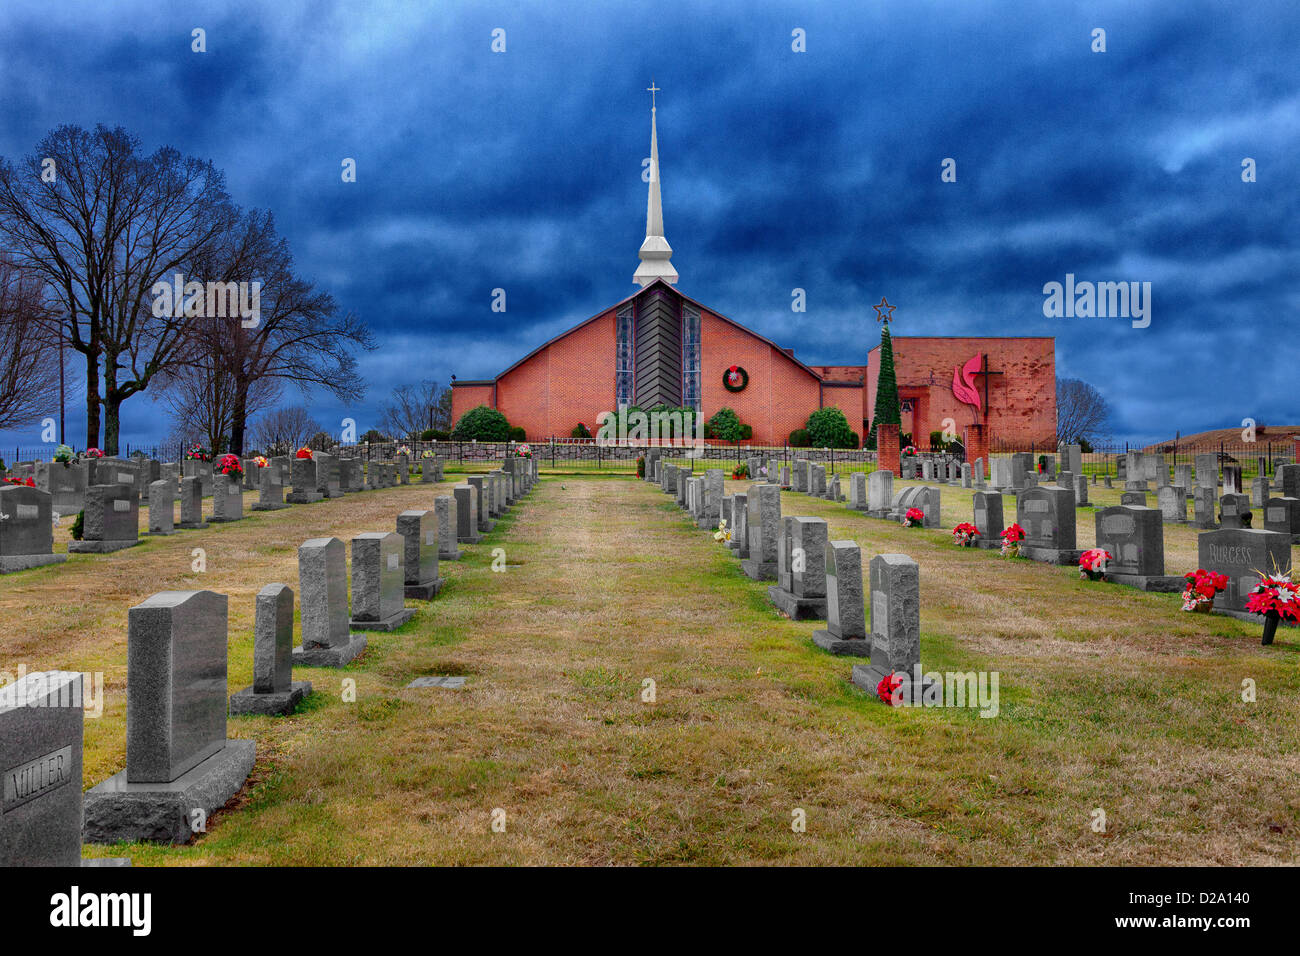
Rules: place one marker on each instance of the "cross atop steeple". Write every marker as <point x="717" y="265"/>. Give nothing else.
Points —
<point x="655" y="251"/>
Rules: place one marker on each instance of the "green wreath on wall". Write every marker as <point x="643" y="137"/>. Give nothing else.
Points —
<point x="735" y="379"/>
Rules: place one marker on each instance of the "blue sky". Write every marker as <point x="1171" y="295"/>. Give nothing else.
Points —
<point x="818" y="170"/>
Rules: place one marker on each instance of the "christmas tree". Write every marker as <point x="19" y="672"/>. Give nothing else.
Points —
<point x="887" y="408"/>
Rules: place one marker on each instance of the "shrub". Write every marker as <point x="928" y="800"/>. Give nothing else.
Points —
<point x="746" y="432"/>
<point x="79" y="526"/>
<point x="640" y="467"/>
<point x="828" y="428"/>
<point x="799" y="438"/>
<point x="580" y="431"/>
<point x="725" y="425"/>
<point x="374" y="436"/>
<point x="482" y="424"/>
<point x="434" y="434"/>
<point x="517" y="433"/>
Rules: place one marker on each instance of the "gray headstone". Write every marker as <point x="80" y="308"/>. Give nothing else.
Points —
<point x="740" y="524"/>
<point x="1259" y="492"/>
<point x="176" y="684"/>
<point x="895" y="614"/>
<point x="323" y="584"/>
<point x="845" y="608"/>
<point x="41" y="721"/>
<point x="1282" y="514"/>
<point x="1047" y="515"/>
<point x="802" y="471"/>
<point x="928" y="500"/>
<point x="1241" y="553"/>
<point x="445" y="508"/>
<point x="1080" y="490"/>
<point x="858" y="497"/>
<point x="763" y="522"/>
<point x="1288" y="481"/>
<point x="26" y="526"/>
<point x="273" y="640"/>
<point x="191" y="496"/>
<point x="227" y="498"/>
<point x="1135" y="538"/>
<point x="162" y="506"/>
<point x="817" y="481"/>
<point x="1203" y="505"/>
<point x="988" y="516"/>
<point x="1172" y="500"/>
<point x="112" y="513"/>
<point x="378" y="578"/>
<point x="419" y="530"/>
<point x="1207" y="472"/>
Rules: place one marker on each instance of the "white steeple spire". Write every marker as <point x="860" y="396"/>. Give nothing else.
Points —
<point x="655" y="251"/>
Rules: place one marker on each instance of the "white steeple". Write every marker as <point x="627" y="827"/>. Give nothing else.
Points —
<point x="655" y="251"/>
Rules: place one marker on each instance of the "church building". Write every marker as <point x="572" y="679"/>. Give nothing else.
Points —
<point x="661" y="347"/>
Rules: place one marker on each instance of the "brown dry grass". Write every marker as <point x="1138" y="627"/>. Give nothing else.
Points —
<point x="1109" y="698"/>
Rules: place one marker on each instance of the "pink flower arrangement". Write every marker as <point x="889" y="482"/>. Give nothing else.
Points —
<point x="1092" y="564"/>
<point x="913" y="518"/>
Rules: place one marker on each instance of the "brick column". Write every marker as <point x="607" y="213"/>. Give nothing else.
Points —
<point x="977" y="446"/>
<point x="887" y="448"/>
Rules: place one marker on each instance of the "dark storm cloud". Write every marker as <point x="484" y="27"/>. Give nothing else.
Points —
<point x="819" y="170"/>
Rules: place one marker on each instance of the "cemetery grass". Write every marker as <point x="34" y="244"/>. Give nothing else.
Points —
<point x="1110" y="699"/>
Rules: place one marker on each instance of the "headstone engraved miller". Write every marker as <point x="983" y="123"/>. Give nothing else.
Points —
<point x="26" y="529"/>
<point x="1135" y="538"/>
<point x="419" y="530"/>
<point x="378" y="582"/>
<point x="846" y="625"/>
<point x="273" y="691"/>
<point x="800" y="591"/>
<point x="180" y="767"/>
<point x="1242" y="554"/>
<point x="41" y="720"/>
<point x="112" y="520"/>
<point x="323" y="584"/>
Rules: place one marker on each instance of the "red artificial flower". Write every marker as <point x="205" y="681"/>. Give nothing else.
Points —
<point x="303" y="452"/>
<point x="1014" y="533"/>
<point x="888" y="687"/>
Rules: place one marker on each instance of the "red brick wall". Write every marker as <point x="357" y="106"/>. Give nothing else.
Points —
<point x="569" y="381"/>
<point x="465" y="397"/>
<point x="1022" y="400"/>
<point x="780" y="395"/>
<point x="890" y="455"/>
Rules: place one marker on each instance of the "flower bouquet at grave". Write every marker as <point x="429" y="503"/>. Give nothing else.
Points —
<point x="303" y="452"/>
<point x="1202" y="586"/>
<point x="195" y="453"/>
<point x="428" y="453"/>
<point x="740" y="472"/>
<point x="523" y="451"/>
<point x="64" y="455"/>
<point x="640" y="467"/>
<point x="93" y="453"/>
<point x="261" y="461"/>
<point x="909" y="450"/>
<point x="230" y="465"/>
<point x="964" y="535"/>
<point x="1092" y="564"/>
<point x="20" y="481"/>
<point x="913" y="518"/>
<point x="1011" y="538"/>
<point x="889" y="690"/>
<point x="723" y="533"/>
<point x="404" y="450"/>
<point x="1276" y="597"/>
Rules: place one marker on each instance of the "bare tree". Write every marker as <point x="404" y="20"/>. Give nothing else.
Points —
<point x="1081" y="412"/>
<point x="29" y="361"/>
<point x="201" y="399"/>
<point x="104" y="226"/>
<point x="413" y="408"/>
<point x="283" y="430"/>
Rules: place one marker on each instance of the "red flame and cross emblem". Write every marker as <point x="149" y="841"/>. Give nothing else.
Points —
<point x="963" y="381"/>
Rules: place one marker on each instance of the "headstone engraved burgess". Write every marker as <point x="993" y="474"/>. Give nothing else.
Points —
<point x="26" y="529"/>
<point x="800" y="591"/>
<point x="273" y="691"/>
<point x="378" y="582"/>
<point x="846" y="627"/>
<point x="41" y="720"/>
<point x="419" y="529"/>
<point x="112" y="520"/>
<point x="323" y="584"/>
<point x="1242" y="554"/>
<point x="178" y="759"/>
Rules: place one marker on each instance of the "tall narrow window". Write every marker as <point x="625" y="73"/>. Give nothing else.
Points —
<point x="623" y="372"/>
<point x="690" y="357"/>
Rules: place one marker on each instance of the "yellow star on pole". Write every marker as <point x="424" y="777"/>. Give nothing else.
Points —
<point x="884" y="311"/>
